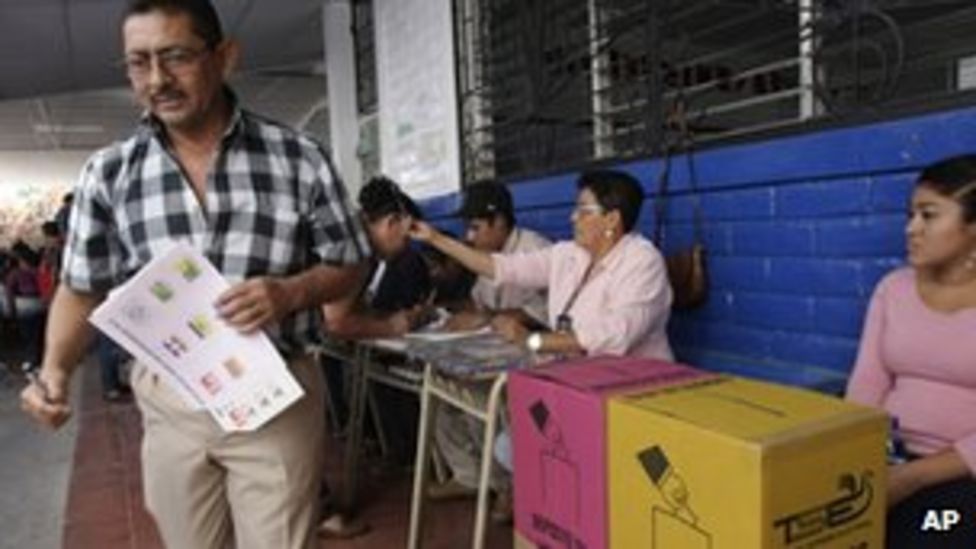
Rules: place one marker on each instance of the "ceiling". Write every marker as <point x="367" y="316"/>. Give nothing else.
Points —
<point x="67" y="91"/>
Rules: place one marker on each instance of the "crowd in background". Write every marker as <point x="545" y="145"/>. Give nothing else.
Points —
<point x="29" y="274"/>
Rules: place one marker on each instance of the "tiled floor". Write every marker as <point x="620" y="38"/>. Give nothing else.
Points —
<point x="104" y="509"/>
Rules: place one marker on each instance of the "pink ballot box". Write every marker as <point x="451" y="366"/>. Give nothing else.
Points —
<point x="559" y="443"/>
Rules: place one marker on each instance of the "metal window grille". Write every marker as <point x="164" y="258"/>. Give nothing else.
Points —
<point x="550" y="85"/>
<point x="364" y="42"/>
<point x="367" y="98"/>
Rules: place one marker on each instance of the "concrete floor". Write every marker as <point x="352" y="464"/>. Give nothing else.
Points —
<point x="35" y="465"/>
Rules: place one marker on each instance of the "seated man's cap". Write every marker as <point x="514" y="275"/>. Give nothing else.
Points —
<point x="483" y="200"/>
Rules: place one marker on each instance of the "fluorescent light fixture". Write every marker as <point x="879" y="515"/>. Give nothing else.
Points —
<point x="68" y="129"/>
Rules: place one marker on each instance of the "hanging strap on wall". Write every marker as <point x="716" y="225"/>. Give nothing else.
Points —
<point x="686" y="267"/>
<point x="682" y="143"/>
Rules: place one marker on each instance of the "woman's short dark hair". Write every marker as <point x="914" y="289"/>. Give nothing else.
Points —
<point x="614" y="190"/>
<point x="381" y="197"/>
<point x="955" y="178"/>
<point x="206" y="22"/>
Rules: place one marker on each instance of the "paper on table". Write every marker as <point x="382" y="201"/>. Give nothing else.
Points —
<point x="476" y="355"/>
<point x="437" y="335"/>
<point x="392" y="344"/>
<point x="431" y="334"/>
<point x="165" y="317"/>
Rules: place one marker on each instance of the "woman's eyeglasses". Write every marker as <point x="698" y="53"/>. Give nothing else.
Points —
<point x="587" y="209"/>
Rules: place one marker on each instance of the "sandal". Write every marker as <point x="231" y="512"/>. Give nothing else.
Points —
<point x="338" y="526"/>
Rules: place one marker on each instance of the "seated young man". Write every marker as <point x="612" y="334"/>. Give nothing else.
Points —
<point x="392" y="298"/>
<point x="489" y="216"/>
<point x="390" y="301"/>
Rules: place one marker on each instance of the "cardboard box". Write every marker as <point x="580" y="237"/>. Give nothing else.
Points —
<point x="521" y="542"/>
<point x="558" y="438"/>
<point x="730" y="463"/>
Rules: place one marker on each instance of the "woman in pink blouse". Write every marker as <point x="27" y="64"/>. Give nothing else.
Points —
<point x="608" y="287"/>
<point x="917" y="360"/>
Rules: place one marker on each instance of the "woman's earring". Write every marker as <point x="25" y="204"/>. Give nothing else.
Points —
<point x="608" y="233"/>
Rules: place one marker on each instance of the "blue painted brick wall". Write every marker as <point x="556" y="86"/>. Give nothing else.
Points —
<point x="799" y="230"/>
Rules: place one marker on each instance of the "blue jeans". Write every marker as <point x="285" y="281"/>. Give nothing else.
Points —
<point x="110" y="360"/>
<point x="32" y="335"/>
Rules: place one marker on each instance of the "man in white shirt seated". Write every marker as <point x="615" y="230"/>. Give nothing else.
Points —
<point x="490" y="227"/>
<point x="390" y="300"/>
<point x="489" y="215"/>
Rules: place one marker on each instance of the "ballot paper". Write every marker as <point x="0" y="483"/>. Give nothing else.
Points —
<point x="166" y="318"/>
<point x="476" y="355"/>
<point x="433" y="335"/>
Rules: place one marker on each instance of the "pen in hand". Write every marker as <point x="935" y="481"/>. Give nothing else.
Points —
<point x="30" y="371"/>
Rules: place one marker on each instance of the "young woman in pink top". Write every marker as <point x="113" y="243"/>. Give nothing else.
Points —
<point x="917" y="360"/>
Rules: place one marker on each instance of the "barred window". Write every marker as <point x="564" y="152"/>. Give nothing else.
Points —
<point x="367" y="101"/>
<point x="364" y="43"/>
<point x="556" y="84"/>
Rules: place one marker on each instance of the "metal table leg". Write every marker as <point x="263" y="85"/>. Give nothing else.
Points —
<point x="487" y="458"/>
<point x="357" y="416"/>
<point x="428" y="409"/>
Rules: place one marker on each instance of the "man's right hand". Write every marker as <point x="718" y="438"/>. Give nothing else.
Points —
<point x="410" y="319"/>
<point x="45" y="399"/>
<point x="466" y="320"/>
<point x="399" y="323"/>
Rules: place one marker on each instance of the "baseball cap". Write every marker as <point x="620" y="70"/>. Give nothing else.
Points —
<point x="486" y="200"/>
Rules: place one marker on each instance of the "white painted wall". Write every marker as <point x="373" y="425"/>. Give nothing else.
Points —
<point x="416" y="81"/>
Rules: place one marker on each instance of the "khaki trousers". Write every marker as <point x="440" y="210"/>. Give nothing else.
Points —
<point x="208" y="489"/>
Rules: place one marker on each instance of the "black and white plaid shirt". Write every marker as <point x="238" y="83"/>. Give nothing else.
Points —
<point x="273" y="207"/>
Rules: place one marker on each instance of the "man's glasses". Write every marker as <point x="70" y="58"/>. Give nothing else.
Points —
<point x="175" y="60"/>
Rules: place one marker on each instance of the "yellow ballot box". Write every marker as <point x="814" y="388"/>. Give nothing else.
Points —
<point x="731" y="463"/>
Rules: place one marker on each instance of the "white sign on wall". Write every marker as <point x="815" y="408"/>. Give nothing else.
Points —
<point x="417" y="95"/>
<point x="966" y="73"/>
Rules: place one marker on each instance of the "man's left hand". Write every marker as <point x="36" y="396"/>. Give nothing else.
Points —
<point x="250" y="305"/>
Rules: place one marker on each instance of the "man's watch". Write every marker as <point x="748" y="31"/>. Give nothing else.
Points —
<point x="534" y="342"/>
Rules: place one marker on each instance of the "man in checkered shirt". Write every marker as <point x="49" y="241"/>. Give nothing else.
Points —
<point x="263" y="203"/>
